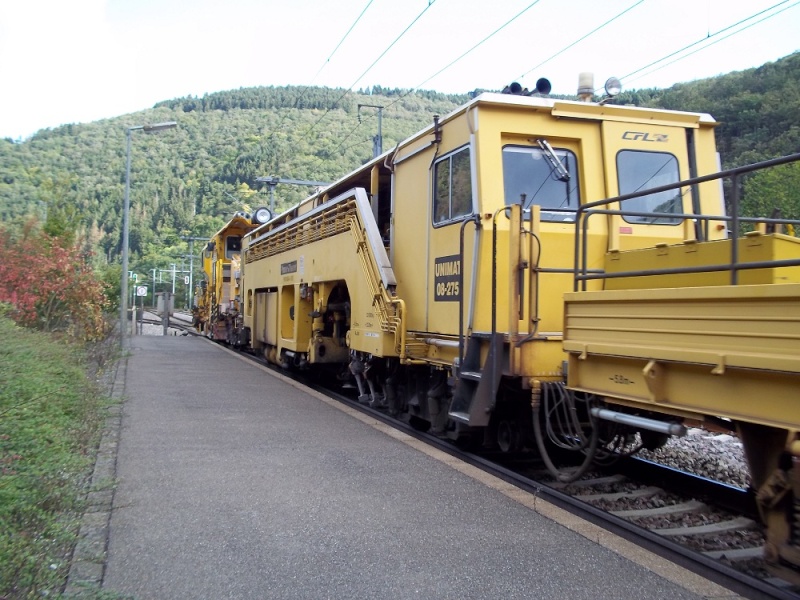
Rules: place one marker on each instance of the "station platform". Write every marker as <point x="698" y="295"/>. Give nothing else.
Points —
<point x="233" y="482"/>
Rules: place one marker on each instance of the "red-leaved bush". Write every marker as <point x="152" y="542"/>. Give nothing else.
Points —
<point x="50" y="287"/>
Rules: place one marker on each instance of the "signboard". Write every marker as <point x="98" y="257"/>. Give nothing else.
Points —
<point x="447" y="278"/>
<point x="141" y="290"/>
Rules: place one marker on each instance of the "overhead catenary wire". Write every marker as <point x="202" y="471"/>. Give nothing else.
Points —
<point x="495" y="32"/>
<point x="580" y="39"/>
<point x="450" y="64"/>
<point x="324" y="64"/>
<point x="569" y="46"/>
<point x="369" y="68"/>
<point x="485" y="39"/>
<point x="598" y="28"/>
<point x="348" y="136"/>
<point x="709" y="36"/>
<point x="488" y="37"/>
<point x="327" y="60"/>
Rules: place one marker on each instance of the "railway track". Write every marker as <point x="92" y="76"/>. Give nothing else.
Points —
<point x="706" y="526"/>
<point x="700" y="517"/>
<point x="178" y="321"/>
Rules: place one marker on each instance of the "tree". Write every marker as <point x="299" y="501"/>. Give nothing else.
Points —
<point x="773" y="189"/>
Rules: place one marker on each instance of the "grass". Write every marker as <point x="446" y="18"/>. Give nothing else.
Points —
<point x="51" y="415"/>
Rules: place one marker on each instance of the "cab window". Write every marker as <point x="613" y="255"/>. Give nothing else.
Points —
<point x="233" y="245"/>
<point x="638" y="170"/>
<point x="531" y="176"/>
<point x="452" y="193"/>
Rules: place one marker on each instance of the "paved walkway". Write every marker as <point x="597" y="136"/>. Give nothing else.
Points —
<point x="234" y="483"/>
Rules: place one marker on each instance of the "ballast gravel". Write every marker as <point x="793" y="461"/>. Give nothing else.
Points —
<point x="713" y="455"/>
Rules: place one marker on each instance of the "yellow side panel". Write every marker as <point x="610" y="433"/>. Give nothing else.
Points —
<point x="753" y="248"/>
<point x="417" y="244"/>
<point x="321" y="261"/>
<point x="265" y="314"/>
<point x="766" y="398"/>
<point x="702" y="350"/>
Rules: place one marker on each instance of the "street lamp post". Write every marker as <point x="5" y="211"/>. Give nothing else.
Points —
<point x="191" y="264"/>
<point x="154" y="287"/>
<point x="123" y="313"/>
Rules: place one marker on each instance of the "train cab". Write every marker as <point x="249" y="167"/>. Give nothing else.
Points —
<point x="218" y="295"/>
<point x="452" y="251"/>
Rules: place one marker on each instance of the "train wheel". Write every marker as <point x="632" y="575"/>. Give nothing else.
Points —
<point x="418" y="423"/>
<point x="509" y="438"/>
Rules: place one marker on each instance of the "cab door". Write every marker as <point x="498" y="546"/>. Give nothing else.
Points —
<point x="449" y="273"/>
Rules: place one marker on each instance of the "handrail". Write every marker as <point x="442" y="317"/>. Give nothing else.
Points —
<point x="581" y="272"/>
<point x="461" y="339"/>
<point x="391" y="320"/>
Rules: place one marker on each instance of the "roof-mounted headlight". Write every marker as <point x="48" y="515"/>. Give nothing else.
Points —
<point x="613" y="87"/>
<point x="261" y="215"/>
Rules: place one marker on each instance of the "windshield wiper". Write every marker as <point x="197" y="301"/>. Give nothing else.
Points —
<point x="561" y="173"/>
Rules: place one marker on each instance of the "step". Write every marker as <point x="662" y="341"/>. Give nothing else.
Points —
<point x="470" y="375"/>
<point x="459" y="416"/>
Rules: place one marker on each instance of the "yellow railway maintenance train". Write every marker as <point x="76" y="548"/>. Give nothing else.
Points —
<point x="217" y="309"/>
<point x="476" y="282"/>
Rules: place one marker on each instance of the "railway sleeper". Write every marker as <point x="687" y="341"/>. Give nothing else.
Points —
<point x="645" y="492"/>
<point x="736" y="554"/>
<point x="692" y="506"/>
<point x="710" y="529"/>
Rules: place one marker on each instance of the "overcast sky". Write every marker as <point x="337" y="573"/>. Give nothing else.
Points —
<point x="71" y="61"/>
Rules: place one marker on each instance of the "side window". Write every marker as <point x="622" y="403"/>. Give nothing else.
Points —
<point x="636" y="171"/>
<point x="531" y="176"/>
<point x="452" y="188"/>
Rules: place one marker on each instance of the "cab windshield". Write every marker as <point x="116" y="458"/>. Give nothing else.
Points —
<point x="544" y="176"/>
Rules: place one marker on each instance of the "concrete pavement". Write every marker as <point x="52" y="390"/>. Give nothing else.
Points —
<point x="234" y="483"/>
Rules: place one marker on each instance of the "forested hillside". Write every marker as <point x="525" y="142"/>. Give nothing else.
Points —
<point x="187" y="181"/>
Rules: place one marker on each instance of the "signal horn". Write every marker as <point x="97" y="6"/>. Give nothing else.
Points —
<point x="515" y="89"/>
<point x="543" y="86"/>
